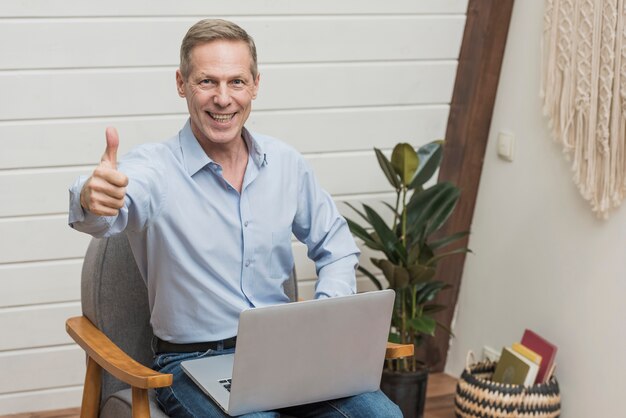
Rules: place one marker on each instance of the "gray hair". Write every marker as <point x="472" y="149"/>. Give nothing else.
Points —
<point x="209" y="30"/>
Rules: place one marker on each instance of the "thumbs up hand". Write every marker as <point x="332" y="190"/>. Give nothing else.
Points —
<point x="103" y="193"/>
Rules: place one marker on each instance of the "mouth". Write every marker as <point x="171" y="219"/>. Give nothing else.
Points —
<point x="221" y="117"/>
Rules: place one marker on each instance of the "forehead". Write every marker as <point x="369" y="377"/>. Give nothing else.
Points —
<point x="221" y="56"/>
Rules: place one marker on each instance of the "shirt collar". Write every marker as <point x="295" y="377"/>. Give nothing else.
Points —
<point x="196" y="159"/>
<point x="254" y="148"/>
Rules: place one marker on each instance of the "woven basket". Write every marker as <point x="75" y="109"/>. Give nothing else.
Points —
<point x="478" y="397"/>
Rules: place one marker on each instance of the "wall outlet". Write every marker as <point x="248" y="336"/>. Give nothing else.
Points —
<point x="490" y="354"/>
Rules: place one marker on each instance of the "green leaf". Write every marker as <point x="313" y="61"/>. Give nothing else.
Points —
<point x="401" y="276"/>
<point x="387" y="268"/>
<point x="387" y="168"/>
<point x="425" y="206"/>
<point x="404" y="161"/>
<point x="413" y="254"/>
<point x="445" y="328"/>
<point x="373" y="278"/>
<point x="433" y="261"/>
<point x="445" y="209"/>
<point x="448" y="240"/>
<point x="420" y="273"/>
<point x="361" y="214"/>
<point x="429" y="291"/>
<point x="430" y="156"/>
<point x="397" y="276"/>
<point x="423" y="324"/>
<point x="433" y="309"/>
<point x="394" y="337"/>
<point x="361" y="233"/>
<point x="393" y="210"/>
<point x="386" y="236"/>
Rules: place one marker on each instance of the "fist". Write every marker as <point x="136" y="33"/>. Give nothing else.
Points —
<point x="103" y="193"/>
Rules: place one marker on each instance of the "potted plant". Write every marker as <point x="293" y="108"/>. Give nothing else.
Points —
<point x="411" y="254"/>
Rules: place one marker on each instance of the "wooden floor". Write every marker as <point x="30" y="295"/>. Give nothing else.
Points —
<point x="439" y="403"/>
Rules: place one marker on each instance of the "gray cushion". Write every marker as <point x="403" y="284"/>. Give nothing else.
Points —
<point x="119" y="404"/>
<point x="115" y="299"/>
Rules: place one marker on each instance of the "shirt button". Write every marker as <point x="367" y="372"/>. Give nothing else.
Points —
<point x="247" y="263"/>
<point x="245" y="223"/>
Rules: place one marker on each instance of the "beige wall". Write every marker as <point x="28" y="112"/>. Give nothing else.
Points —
<point x="541" y="259"/>
<point x="337" y="78"/>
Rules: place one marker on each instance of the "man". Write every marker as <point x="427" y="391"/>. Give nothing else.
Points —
<point x="209" y="215"/>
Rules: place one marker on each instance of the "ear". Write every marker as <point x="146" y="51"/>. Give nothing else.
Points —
<point x="255" y="87"/>
<point x="180" y="83"/>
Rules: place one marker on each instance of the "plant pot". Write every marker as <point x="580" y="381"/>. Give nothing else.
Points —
<point x="407" y="390"/>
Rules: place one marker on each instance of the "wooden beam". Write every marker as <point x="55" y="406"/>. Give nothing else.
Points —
<point x="473" y="99"/>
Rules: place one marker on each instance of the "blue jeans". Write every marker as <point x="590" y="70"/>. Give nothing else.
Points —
<point x="185" y="400"/>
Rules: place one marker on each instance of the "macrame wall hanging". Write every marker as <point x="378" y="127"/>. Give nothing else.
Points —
<point x="584" y="93"/>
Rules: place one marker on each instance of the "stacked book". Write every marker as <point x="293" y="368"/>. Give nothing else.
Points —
<point x="529" y="362"/>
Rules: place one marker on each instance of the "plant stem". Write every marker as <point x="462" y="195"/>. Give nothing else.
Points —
<point x="403" y="330"/>
<point x="395" y="215"/>
<point x="404" y="190"/>
<point x="413" y="359"/>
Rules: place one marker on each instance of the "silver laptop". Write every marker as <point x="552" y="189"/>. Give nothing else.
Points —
<point x="299" y="353"/>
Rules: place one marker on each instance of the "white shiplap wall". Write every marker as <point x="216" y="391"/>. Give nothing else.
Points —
<point x="337" y="79"/>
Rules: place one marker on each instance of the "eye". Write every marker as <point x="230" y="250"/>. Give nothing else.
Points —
<point x="238" y="82"/>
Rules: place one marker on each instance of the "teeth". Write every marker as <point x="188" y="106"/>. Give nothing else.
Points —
<point x="221" y="118"/>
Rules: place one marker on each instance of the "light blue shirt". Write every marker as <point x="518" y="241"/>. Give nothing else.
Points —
<point x="207" y="252"/>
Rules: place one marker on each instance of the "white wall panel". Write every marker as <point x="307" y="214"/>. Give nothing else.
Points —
<point x="41" y="368"/>
<point x="81" y="141"/>
<point x="60" y="43"/>
<point x="356" y="84"/>
<point x="146" y="91"/>
<point x="36" y="326"/>
<point x="38" y="400"/>
<point x="40" y="282"/>
<point x="45" y="8"/>
<point x="36" y="192"/>
<point x="39" y="239"/>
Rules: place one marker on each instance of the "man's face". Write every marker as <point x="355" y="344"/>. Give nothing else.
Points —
<point x="219" y="91"/>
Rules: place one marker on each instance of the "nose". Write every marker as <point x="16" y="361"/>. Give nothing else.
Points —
<point x="222" y="96"/>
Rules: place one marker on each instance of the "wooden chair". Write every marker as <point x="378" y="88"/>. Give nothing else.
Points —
<point x="115" y="333"/>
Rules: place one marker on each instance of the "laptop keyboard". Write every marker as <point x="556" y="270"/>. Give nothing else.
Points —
<point x="226" y="383"/>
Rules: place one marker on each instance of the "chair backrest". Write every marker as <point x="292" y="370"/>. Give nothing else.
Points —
<point x="114" y="297"/>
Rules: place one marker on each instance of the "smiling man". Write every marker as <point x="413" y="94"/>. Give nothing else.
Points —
<point x="209" y="215"/>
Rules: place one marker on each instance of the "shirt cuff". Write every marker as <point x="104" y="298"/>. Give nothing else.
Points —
<point x="77" y="214"/>
<point x="337" y="278"/>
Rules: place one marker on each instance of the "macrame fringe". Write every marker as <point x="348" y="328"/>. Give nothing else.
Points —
<point x="583" y="86"/>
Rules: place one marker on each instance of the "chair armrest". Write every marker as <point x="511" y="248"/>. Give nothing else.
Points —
<point x="110" y="357"/>
<point x="399" y="350"/>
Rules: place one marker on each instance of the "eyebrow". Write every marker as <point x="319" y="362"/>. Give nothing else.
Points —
<point x="242" y="76"/>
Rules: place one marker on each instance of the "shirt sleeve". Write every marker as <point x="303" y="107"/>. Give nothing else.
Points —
<point x="320" y="226"/>
<point x="144" y="195"/>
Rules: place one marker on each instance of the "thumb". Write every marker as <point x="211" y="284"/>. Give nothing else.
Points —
<point x="113" y="141"/>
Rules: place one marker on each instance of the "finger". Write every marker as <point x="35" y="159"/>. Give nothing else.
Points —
<point x="107" y="202"/>
<point x="102" y="202"/>
<point x="113" y="141"/>
<point x="111" y="176"/>
<point x="103" y="210"/>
